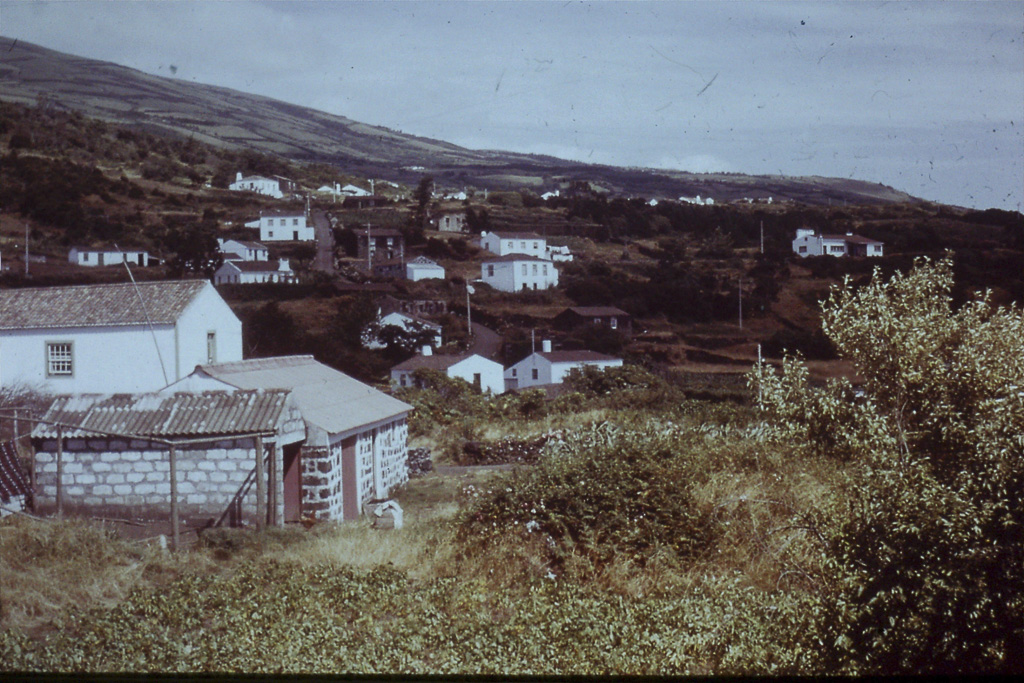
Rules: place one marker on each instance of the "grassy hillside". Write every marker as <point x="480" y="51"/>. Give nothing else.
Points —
<point x="230" y="119"/>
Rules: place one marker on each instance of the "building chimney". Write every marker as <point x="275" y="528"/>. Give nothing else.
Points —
<point x="545" y="346"/>
<point x="427" y="351"/>
<point x="238" y="177"/>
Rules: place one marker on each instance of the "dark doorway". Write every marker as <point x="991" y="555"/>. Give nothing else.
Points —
<point x="292" y="483"/>
<point x="349" y="479"/>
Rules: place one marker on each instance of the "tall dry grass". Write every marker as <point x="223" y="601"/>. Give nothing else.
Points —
<point x="50" y="567"/>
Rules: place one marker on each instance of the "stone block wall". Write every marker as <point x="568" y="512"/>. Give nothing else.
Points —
<point x="321" y="482"/>
<point x="121" y="477"/>
<point x="392" y="453"/>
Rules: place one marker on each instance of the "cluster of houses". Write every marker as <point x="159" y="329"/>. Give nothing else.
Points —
<point x="248" y="262"/>
<point x="543" y="368"/>
<point x="148" y="380"/>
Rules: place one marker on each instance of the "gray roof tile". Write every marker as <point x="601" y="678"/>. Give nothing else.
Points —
<point x="97" y="305"/>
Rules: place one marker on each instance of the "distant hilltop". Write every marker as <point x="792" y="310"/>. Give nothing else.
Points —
<point x="30" y="74"/>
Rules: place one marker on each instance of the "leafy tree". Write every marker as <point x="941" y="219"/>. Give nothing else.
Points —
<point x="195" y="249"/>
<point x="929" y="554"/>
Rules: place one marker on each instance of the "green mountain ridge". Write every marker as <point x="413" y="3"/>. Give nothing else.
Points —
<point x="31" y="74"/>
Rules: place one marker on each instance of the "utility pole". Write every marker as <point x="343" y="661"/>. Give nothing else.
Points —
<point x="369" y="262"/>
<point x="739" y="292"/>
<point x="26" y="250"/>
<point x="469" y="312"/>
<point x="762" y="237"/>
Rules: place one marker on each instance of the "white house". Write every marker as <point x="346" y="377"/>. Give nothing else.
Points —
<point x="698" y="200"/>
<point x="517" y="272"/>
<point x="550" y="367"/>
<point x="254" y="272"/>
<point x="482" y="373"/>
<point x="451" y="222"/>
<point x="356" y="447"/>
<point x="281" y="226"/>
<point x="354" y="191"/>
<point x="274" y="186"/>
<point x="242" y="250"/>
<point x="408" y="323"/>
<point x="809" y="243"/>
<point x="114" y="337"/>
<point x="422" y="268"/>
<point x="505" y="243"/>
<point x="84" y="256"/>
<point x="560" y="254"/>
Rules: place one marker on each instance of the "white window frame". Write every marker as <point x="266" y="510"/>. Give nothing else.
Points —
<point x="53" y="358"/>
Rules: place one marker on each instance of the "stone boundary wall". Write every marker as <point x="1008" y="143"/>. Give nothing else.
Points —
<point x="121" y="477"/>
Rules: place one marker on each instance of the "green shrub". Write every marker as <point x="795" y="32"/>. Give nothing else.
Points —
<point x="929" y="548"/>
<point x="602" y="493"/>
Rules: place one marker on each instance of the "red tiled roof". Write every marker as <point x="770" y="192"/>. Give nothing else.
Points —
<point x="514" y="257"/>
<point x="575" y="356"/>
<point x="596" y="311"/>
<point x="856" y="239"/>
<point x="439" y="362"/>
<point x="517" y="235"/>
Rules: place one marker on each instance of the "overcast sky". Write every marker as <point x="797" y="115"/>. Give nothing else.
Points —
<point x="926" y="97"/>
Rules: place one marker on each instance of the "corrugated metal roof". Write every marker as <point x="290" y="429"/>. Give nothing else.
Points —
<point x="97" y="305"/>
<point x="327" y="398"/>
<point x="211" y="413"/>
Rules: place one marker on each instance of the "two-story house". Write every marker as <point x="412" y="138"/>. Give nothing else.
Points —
<point x="113" y="337"/>
<point x="516" y="272"/>
<point x="283" y="226"/>
<point x="381" y="243"/>
<point x="505" y="243"/>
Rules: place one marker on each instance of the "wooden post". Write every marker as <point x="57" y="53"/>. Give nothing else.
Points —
<point x="272" y="517"/>
<point x="175" y="532"/>
<point x="60" y="471"/>
<point x="261" y="487"/>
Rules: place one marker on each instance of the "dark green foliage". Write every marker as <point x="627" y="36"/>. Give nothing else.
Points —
<point x="195" y="248"/>
<point x="605" y="495"/>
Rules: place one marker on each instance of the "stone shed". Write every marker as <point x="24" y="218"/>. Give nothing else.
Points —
<point x="115" y="455"/>
<point x="356" y="448"/>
